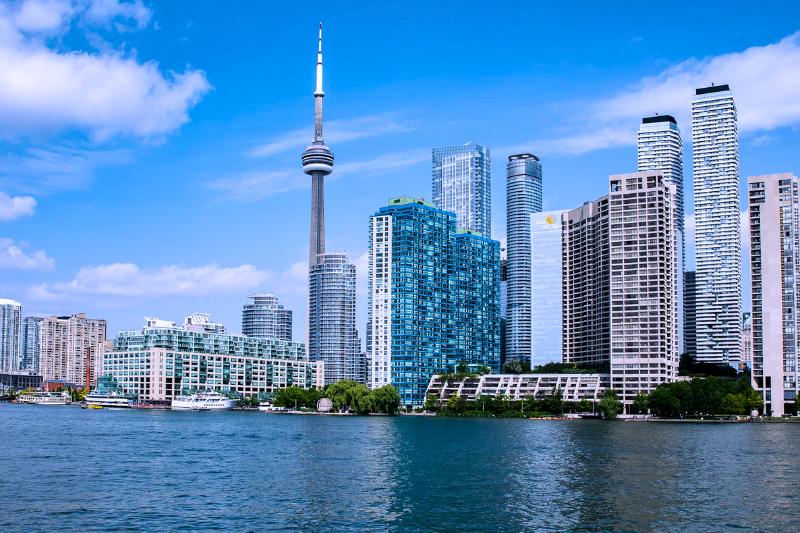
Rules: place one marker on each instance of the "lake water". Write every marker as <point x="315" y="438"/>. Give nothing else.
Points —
<point x="64" y="468"/>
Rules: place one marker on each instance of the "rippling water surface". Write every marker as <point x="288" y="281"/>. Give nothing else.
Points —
<point x="64" y="468"/>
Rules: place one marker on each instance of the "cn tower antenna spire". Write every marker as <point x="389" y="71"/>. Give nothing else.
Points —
<point x="319" y="94"/>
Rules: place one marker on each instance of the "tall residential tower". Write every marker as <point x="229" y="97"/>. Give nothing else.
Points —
<point x="523" y="197"/>
<point x="266" y="318"/>
<point x="10" y="327"/>
<point x="715" y="141"/>
<point x="462" y="184"/>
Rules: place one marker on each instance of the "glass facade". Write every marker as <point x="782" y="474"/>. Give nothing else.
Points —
<point x="434" y="297"/>
<point x="523" y="197"/>
<point x="332" y="335"/>
<point x="265" y="318"/>
<point x="10" y="327"/>
<point x="462" y="184"/>
<point x="31" y="343"/>
<point x="546" y="264"/>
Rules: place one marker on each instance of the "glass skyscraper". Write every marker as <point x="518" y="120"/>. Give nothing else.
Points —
<point x="10" y="326"/>
<point x="462" y="184"/>
<point x="434" y="297"/>
<point x="332" y="335"/>
<point x="523" y="197"/>
<point x="31" y="343"/>
<point x="266" y="318"/>
<point x="715" y="143"/>
<point x="546" y="295"/>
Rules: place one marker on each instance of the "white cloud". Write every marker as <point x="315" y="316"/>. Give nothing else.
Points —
<point x="13" y="256"/>
<point x="765" y="81"/>
<point x="255" y="186"/>
<point x="12" y="207"/>
<point x="336" y="131"/>
<point x="130" y="280"/>
<point x="103" y="94"/>
<point x="119" y="13"/>
<point x="42" y="15"/>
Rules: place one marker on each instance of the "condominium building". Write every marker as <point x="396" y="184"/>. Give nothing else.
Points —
<point x="545" y="287"/>
<point x="31" y="344"/>
<point x="774" y="213"/>
<point x="10" y="325"/>
<point x="434" y="297"/>
<point x="332" y="334"/>
<point x="266" y="318"/>
<point x="660" y="149"/>
<point x="690" y="313"/>
<point x="573" y="387"/>
<point x="620" y="283"/>
<point x="523" y="197"/>
<point x="462" y="184"/>
<point x="71" y="348"/>
<point x="162" y="360"/>
<point x="715" y="144"/>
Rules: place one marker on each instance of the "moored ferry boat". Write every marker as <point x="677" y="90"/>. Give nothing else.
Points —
<point x="204" y="400"/>
<point x="107" y="394"/>
<point x="45" y="398"/>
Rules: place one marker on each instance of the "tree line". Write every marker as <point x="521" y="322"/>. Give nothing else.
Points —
<point x="347" y="396"/>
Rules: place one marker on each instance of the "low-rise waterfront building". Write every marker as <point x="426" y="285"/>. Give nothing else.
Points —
<point x="573" y="387"/>
<point x="162" y="360"/>
<point x="19" y="381"/>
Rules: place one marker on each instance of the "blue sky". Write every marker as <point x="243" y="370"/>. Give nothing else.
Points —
<point x="150" y="152"/>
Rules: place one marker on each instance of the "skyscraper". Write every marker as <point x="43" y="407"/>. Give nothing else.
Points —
<point x="774" y="209"/>
<point x="333" y="338"/>
<point x="715" y="159"/>
<point x="462" y="184"/>
<point x="660" y="149"/>
<point x="317" y="163"/>
<point x="523" y="197"/>
<point x="31" y="343"/>
<point x="620" y="283"/>
<point x="690" y="313"/>
<point x="266" y="318"/>
<point x="546" y="324"/>
<point x="67" y="344"/>
<point x="10" y="324"/>
<point x="434" y="297"/>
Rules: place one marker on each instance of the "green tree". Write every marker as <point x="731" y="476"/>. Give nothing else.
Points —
<point x="386" y="399"/>
<point x="516" y="367"/>
<point x="456" y="404"/>
<point x="553" y="404"/>
<point x="641" y="403"/>
<point x="583" y="406"/>
<point x="462" y="367"/>
<point x="664" y="403"/>
<point x="609" y="405"/>
<point x="431" y="402"/>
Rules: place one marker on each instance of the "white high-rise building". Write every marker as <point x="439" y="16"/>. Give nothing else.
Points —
<point x="620" y="269"/>
<point x="774" y="209"/>
<point x="10" y="327"/>
<point x="462" y="184"/>
<point x="715" y="159"/>
<point x="660" y="149"/>
<point x="546" y="302"/>
<point x="68" y="343"/>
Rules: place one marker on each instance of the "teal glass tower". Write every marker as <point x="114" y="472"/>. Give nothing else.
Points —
<point x="434" y="297"/>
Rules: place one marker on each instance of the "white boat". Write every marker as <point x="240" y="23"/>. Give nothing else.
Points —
<point x="107" y="399"/>
<point x="107" y="394"/>
<point x="204" y="400"/>
<point x="45" y="398"/>
<point x="269" y="408"/>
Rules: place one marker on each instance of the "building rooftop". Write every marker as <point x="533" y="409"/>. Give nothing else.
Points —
<point x="712" y="89"/>
<point x="659" y="118"/>
<point x="516" y="157"/>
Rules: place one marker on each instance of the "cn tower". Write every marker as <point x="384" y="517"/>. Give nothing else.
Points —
<point x="318" y="163"/>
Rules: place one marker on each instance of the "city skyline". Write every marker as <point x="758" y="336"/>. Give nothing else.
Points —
<point x="120" y="280"/>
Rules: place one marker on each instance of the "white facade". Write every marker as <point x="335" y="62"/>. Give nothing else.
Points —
<point x="660" y="149"/>
<point x="67" y="342"/>
<point x="573" y="387"/>
<point x="774" y="215"/>
<point x="462" y="185"/>
<point x="715" y="160"/>
<point x="380" y="269"/>
<point x="546" y="308"/>
<point x="10" y="329"/>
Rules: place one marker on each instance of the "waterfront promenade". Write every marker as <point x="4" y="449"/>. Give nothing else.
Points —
<point x="162" y="470"/>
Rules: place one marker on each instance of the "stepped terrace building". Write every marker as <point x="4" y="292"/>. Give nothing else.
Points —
<point x="162" y="359"/>
<point x="573" y="387"/>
